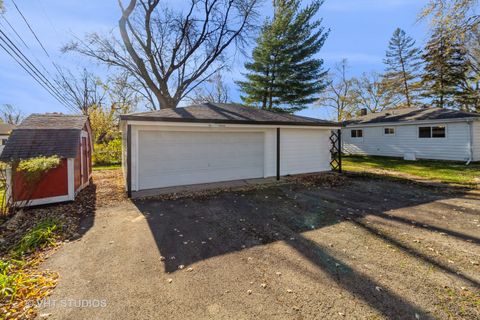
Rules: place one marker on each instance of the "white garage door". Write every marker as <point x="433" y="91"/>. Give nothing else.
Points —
<point x="182" y="158"/>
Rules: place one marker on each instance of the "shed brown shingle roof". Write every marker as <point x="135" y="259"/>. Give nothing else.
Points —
<point x="411" y="114"/>
<point x="226" y="113"/>
<point x="45" y="135"/>
<point x="6" y="129"/>
<point x="53" y="121"/>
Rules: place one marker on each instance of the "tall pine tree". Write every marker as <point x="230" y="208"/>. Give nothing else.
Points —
<point x="445" y="70"/>
<point x="403" y="62"/>
<point x="284" y="74"/>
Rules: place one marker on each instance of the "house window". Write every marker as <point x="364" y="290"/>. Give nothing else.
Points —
<point x="356" y="133"/>
<point x="438" y="132"/>
<point x="389" y="131"/>
<point x="432" y="132"/>
<point x="3" y="142"/>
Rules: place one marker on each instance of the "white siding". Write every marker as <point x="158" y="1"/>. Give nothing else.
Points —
<point x="476" y="141"/>
<point x="454" y="147"/>
<point x="304" y="151"/>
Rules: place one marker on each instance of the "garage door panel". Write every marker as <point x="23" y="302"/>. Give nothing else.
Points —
<point x="180" y="158"/>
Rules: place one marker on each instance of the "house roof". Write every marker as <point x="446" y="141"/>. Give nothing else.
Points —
<point x="45" y="135"/>
<point x="412" y="114"/>
<point x="226" y="113"/>
<point x="6" y="128"/>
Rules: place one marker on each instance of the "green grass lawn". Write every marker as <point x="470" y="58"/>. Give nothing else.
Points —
<point x="443" y="171"/>
<point x="107" y="167"/>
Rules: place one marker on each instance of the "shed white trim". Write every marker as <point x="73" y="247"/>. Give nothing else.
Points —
<point x="71" y="178"/>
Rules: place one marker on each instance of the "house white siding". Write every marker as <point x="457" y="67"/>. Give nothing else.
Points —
<point x="173" y="155"/>
<point x="455" y="146"/>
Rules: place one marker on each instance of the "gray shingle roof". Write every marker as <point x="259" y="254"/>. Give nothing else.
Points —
<point x="411" y="114"/>
<point x="45" y="135"/>
<point x="53" y="121"/>
<point x="226" y="113"/>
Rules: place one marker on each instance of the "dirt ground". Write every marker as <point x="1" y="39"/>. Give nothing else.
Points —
<point x="368" y="249"/>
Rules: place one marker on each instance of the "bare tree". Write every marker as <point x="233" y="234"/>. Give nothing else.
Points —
<point x="217" y="91"/>
<point x="171" y="52"/>
<point x="11" y="115"/>
<point x="123" y="94"/>
<point x="373" y="94"/>
<point x="340" y="94"/>
<point x="83" y="91"/>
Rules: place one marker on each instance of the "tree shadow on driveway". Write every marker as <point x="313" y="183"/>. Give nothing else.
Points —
<point x="190" y="230"/>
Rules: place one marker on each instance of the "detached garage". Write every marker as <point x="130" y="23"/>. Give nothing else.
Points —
<point x="220" y="142"/>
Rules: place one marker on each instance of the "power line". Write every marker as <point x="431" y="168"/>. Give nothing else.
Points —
<point x="15" y="31"/>
<point x="28" y="64"/>
<point x="63" y="100"/>
<point x="26" y="46"/>
<point x="30" y="73"/>
<point x="48" y="17"/>
<point x="29" y="27"/>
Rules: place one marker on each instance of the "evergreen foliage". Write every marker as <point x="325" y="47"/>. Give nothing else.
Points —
<point x="403" y="61"/>
<point x="284" y="74"/>
<point x="446" y="70"/>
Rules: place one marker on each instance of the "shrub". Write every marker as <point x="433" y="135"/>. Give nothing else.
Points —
<point x="7" y="280"/>
<point x="42" y="235"/>
<point x="21" y="286"/>
<point x="34" y="168"/>
<point x="108" y="153"/>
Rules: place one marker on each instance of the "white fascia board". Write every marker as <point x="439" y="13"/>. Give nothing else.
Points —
<point x="224" y="125"/>
<point x="42" y="201"/>
<point x="71" y="178"/>
<point x="409" y="123"/>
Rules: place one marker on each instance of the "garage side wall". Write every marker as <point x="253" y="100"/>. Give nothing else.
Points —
<point x="476" y="140"/>
<point x="304" y="151"/>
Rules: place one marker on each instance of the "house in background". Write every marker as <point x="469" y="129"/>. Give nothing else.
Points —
<point x="219" y="142"/>
<point x="5" y="130"/>
<point x="65" y="136"/>
<point x="415" y="133"/>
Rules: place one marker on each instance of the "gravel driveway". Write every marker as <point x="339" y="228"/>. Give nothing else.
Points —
<point x="367" y="249"/>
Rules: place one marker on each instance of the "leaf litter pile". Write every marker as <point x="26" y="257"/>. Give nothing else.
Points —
<point x="27" y="239"/>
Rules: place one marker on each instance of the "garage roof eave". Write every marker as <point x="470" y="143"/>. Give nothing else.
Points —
<point x="221" y="121"/>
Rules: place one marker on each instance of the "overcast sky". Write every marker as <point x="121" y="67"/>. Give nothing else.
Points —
<point x="360" y="30"/>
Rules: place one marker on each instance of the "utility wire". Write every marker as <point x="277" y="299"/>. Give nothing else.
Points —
<point x="29" y="27"/>
<point x="15" y="31"/>
<point x="58" y="69"/>
<point x="30" y="73"/>
<point x="26" y="46"/>
<point x="68" y="104"/>
<point x="32" y="68"/>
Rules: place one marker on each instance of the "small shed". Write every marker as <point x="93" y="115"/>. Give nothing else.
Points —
<point x="215" y="142"/>
<point x="66" y="136"/>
